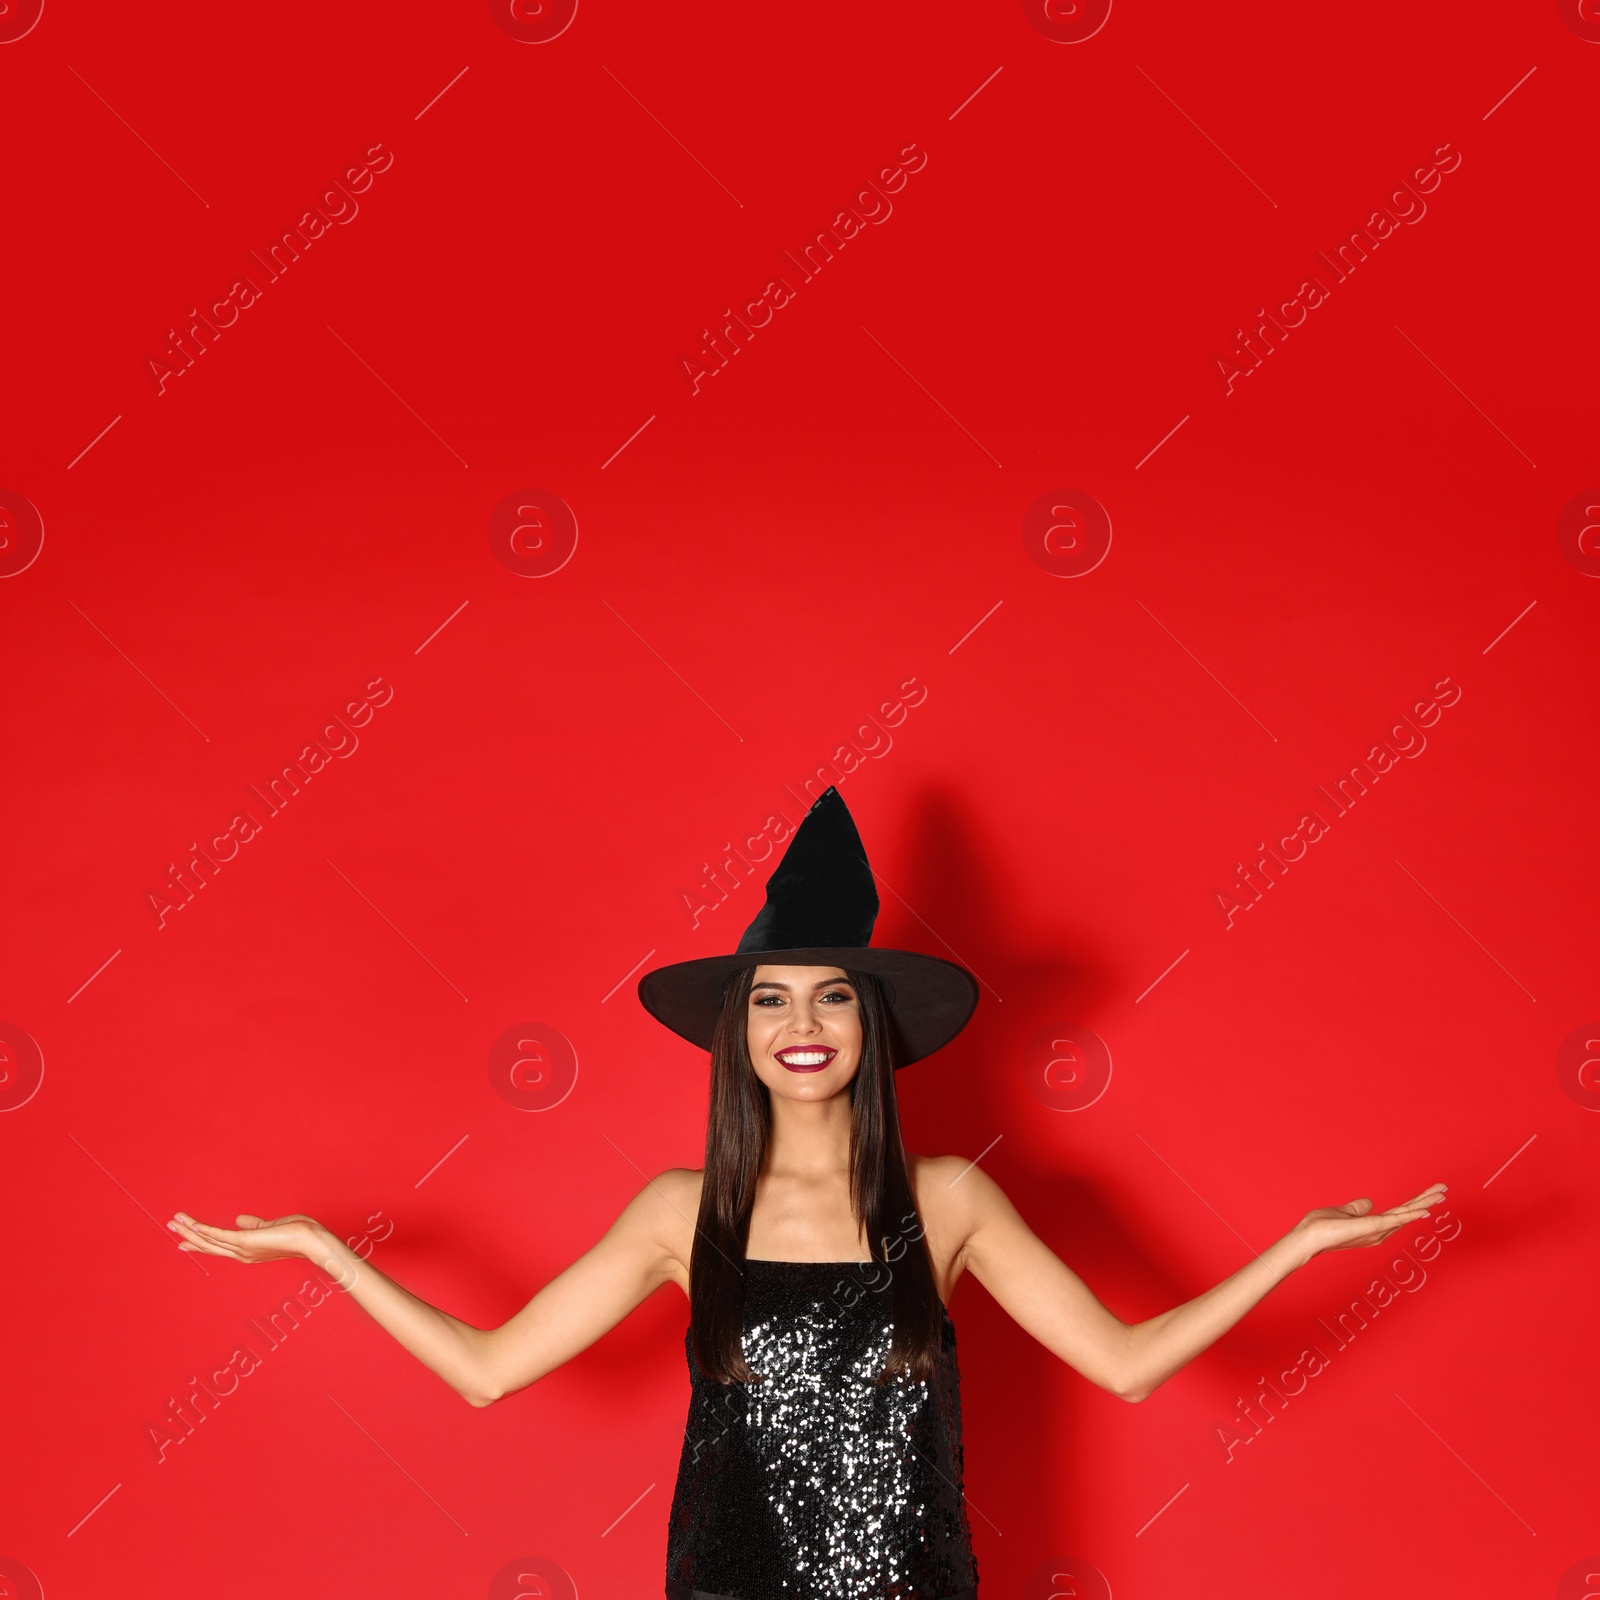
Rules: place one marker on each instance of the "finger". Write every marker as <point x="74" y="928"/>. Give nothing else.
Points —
<point x="209" y="1250"/>
<point x="188" y="1235"/>
<point x="1388" y="1222"/>
<point x="209" y="1230"/>
<point x="198" y="1240"/>
<point x="1367" y="1230"/>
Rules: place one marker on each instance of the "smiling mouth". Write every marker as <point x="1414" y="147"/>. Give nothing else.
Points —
<point x="806" y="1058"/>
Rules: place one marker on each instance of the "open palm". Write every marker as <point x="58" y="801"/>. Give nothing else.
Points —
<point x="255" y="1239"/>
<point x="1348" y="1226"/>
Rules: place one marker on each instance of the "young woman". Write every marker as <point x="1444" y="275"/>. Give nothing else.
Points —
<point x="822" y="1455"/>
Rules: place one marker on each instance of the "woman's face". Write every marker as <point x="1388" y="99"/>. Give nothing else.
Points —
<point x="804" y="1030"/>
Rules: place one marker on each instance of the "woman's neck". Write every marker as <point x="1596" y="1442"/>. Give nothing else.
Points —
<point x="809" y="1138"/>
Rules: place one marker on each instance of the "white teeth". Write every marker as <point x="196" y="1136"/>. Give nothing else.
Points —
<point x="805" y="1058"/>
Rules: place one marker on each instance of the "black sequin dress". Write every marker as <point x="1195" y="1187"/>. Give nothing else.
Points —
<point x="814" y="1484"/>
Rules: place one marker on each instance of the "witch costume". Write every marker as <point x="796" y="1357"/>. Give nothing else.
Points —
<point x="816" y="1483"/>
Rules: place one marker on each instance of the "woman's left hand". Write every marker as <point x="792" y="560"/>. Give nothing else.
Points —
<point x="1346" y="1227"/>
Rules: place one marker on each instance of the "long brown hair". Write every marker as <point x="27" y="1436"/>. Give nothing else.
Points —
<point x="738" y="1125"/>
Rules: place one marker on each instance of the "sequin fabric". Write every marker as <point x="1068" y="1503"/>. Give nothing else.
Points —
<point x="814" y="1484"/>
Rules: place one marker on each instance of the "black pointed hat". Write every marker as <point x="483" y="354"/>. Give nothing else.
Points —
<point x="820" y="908"/>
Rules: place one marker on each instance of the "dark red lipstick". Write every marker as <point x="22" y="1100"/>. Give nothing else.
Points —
<point x="806" y="1057"/>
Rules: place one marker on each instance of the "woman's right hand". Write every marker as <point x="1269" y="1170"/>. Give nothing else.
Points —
<point x="255" y="1239"/>
<point x="647" y="1246"/>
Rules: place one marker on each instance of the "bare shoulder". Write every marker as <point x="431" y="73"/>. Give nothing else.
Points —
<point x="677" y="1185"/>
<point x="955" y="1197"/>
<point x="665" y="1209"/>
<point x="953" y="1189"/>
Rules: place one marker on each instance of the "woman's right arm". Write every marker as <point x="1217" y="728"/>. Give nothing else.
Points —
<point x="638" y="1253"/>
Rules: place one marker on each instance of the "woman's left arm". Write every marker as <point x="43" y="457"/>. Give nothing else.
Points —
<point x="1045" y="1297"/>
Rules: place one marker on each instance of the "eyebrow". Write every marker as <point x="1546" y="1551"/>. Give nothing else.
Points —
<point x="822" y="984"/>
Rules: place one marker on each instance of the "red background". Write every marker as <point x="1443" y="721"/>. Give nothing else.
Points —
<point x="831" y="514"/>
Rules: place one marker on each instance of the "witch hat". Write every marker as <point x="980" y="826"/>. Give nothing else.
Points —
<point x="820" y="908"/>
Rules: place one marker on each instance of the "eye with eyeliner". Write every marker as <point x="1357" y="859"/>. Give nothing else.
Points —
<point x="828" y="994"/>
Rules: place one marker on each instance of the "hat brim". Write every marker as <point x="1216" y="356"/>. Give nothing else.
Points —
<point x="929" y="1000"/>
